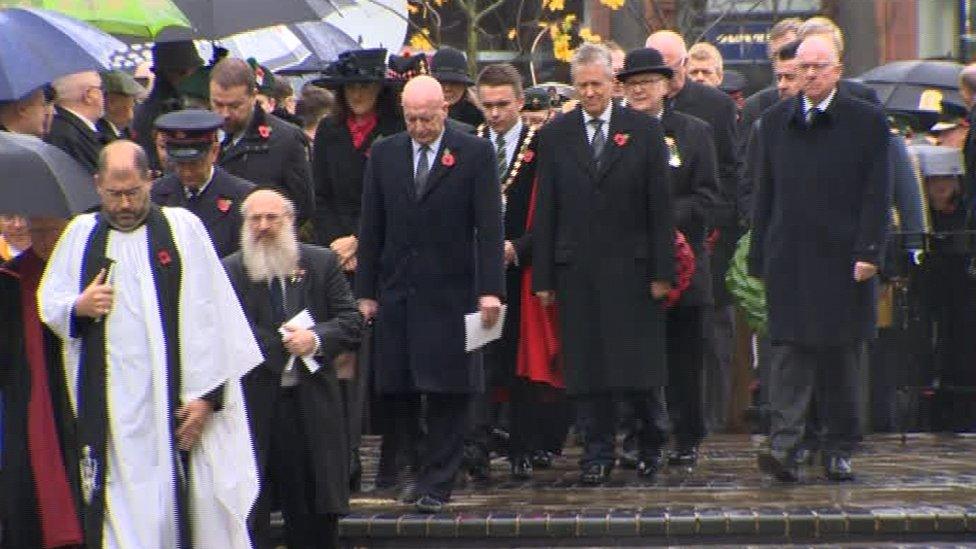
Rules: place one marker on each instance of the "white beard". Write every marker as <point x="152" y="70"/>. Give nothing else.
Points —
<point x="265" y="261"/>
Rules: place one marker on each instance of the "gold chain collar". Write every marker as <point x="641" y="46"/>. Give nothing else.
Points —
<point x="519" y="158"/>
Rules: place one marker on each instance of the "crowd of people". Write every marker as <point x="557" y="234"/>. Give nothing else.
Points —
<point x="267" y="279"/>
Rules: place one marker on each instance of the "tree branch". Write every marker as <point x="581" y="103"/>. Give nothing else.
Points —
<point x="489" y="9"/>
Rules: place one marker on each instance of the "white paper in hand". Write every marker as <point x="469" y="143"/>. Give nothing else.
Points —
<point x="304" y="321"/>
<point x="476" y="335"/>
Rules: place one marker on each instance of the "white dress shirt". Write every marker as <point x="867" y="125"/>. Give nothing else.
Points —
<point x="604" y="129"/>
<point x="431" y="153"/>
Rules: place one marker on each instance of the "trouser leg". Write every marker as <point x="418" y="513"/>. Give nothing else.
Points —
<point x="651" y="415"/>
<point x="839" y="398"/>
<point x="447" y="420"/>
<point x="596" y="419"/>
<point x="792" y="379"/>
<point x="685" y="364"/>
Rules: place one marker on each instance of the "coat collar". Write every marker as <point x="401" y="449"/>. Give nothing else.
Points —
<point x="77" y="123"/>
<point x="257" y="136"/>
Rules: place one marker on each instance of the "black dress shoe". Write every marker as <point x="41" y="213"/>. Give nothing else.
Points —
<point x="839" y="469"/>
<point x="429" y="505"/>
<point x="782" y="471"/>
<point x="522" y="468"/>
<point x="683" y="456"/>
<point x="541" y="459"/>
<point x="628" y="459"/>
<point x="595" y="475"/>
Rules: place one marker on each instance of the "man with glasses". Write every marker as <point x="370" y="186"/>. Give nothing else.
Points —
<point x="258" y="146"/>
<point x="80" y="103"/>
<point x="718" y="109"/>
<point x="156" y="346"/>
<point x="819" y="227"/>
<point x="196" y="182"/>
<point x="293" y="402"/>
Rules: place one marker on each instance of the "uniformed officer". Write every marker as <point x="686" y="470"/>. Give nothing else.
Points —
<point x="195" y="182"/>
<point x="694" y="187"/>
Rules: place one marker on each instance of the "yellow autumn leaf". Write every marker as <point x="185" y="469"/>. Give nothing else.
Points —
<point x="613" y="4"/>
<point x="587" y="35"/>
<point x="413" y="8"/>
<point x="555" y="5"/>
<point x="512" y="34"/>
<point x="561" y="49"/>
<point x="421" y="41"/>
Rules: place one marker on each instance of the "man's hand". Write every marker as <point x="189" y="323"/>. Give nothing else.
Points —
<point x="510" y="256"/>
<point x="298" y="341"/>
<point x="96" y="301"/>
<point x="368" y="308"/>
<point x="491" y="309"/>
<point x="345" y="247"/>
<point x="864" y="271"/>
<point x="546" y="297"/>
<point x="193" y="418"/>
<point x="660" y="289"/>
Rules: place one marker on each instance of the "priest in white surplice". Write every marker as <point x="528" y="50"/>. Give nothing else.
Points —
<point x="156" y="344"/>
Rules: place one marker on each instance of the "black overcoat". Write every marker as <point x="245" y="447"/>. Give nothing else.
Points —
<point x="694" y="189"/>
<point x="273" y="154"/>
<point x="337" y="169"/>
<point x="323" y="290"/>
<point x="601" y="235"/>
<point x="218" y="207"/>
<point x="18" y="500"/>
<point x="820" y="206"/>
<point x="517" y="195"/>
<point x="428" y="260"/>
<point x="72" y="135"/>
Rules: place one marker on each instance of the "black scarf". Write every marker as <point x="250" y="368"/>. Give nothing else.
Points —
<point x="165" y="263"/>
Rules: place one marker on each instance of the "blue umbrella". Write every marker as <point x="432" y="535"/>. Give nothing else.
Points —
<point x="37" y="46"/>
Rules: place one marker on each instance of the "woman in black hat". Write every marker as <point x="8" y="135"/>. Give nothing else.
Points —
<point x="450" y="68"/>
<point x="365" y="109"/>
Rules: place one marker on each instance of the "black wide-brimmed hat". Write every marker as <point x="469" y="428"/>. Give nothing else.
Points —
<point x="450" y="65"/>
<point x="355" y="67"/>
<point x="644" y="60"/>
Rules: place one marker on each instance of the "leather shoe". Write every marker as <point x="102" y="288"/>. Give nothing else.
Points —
<point x="683" y="456"/>
<point x="839" y="469"/>
<point x="429" y="505"/>
<point x="542" y="459"/>
<point x="628" y="459"/>
<point x="648" y="468"/>
<point x="594" y="475"/>
<point x="780" y="470"/>
<point x="522" y="468"/>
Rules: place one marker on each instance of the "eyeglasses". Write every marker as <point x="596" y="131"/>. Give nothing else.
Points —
<point x="271" y="218"/>
<point x="641" y="83"/>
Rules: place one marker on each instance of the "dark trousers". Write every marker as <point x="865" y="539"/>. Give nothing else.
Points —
<point x="439" y="457"/>
<point x="288" y="476"/>
<point x="685" y="366"/>
<point x="830" y="377"/>
<point x="540" y="419"/>
<point x="596" y="415"/>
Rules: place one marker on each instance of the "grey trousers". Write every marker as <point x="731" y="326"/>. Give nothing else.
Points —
<point x="831" y="376"/>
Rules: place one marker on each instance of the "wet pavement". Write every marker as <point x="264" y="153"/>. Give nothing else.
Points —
<point x="922" y="487"/>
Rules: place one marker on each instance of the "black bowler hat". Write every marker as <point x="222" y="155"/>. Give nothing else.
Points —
<point x="733" y="81"/>
<point x="536" y="99"/>
<point x="178" y="55"/>
<point x="355" y="67"/>
<point x="644" y="60"/>
<point x="189" y="134"/>
<point x="450" y="65"/>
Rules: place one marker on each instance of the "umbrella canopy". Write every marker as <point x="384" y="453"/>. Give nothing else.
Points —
<point x="37" y="46"/>
<point x="144" y="19"/>
<point x="47" y="182"/>
<point x="914" y="86"/>
<point x="324" y="40"/>
<point x="373" y="23"/>
<point x="215" y="19"/>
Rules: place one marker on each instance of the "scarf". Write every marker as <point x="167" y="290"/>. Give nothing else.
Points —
<point x="55" y="504"/>
<point x="360" y="129"/>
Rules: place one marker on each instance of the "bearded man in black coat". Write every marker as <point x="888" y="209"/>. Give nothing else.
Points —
<point x="820" y="223"/>
<point x="293" y="403"/>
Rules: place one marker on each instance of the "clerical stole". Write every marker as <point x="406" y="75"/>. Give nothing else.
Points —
<point x="92" y="391"/>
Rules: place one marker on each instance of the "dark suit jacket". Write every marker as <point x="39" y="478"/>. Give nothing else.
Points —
<point x="337" y="168"/>
<point x="323" y="290"/>
<point x="428" y="259"/>
<point x="601" y="235"/>
<point x="279" y="160"/>
<point x="821" y="204"/>
<point x="72" y="135"/>
<point x="718" y="109"/>
<point x="219" y="207"/>
<point x="517" y="198"/>
<point x="694" y="188"/>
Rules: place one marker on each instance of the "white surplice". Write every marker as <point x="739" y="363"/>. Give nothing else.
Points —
<point x="216" y="346"/>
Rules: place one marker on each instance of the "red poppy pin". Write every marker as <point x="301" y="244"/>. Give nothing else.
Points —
<point x="264" y="131"/>
<point x="164" y="258"/>
<point x="224" y="204"/>
<point x="528" y="155"/>
<point x="621" y="139"/>
<point x="447" y="159"/>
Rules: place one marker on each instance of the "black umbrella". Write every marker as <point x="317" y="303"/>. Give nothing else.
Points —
<point x="41" y="179"/>
<point x="914" y="85"/>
